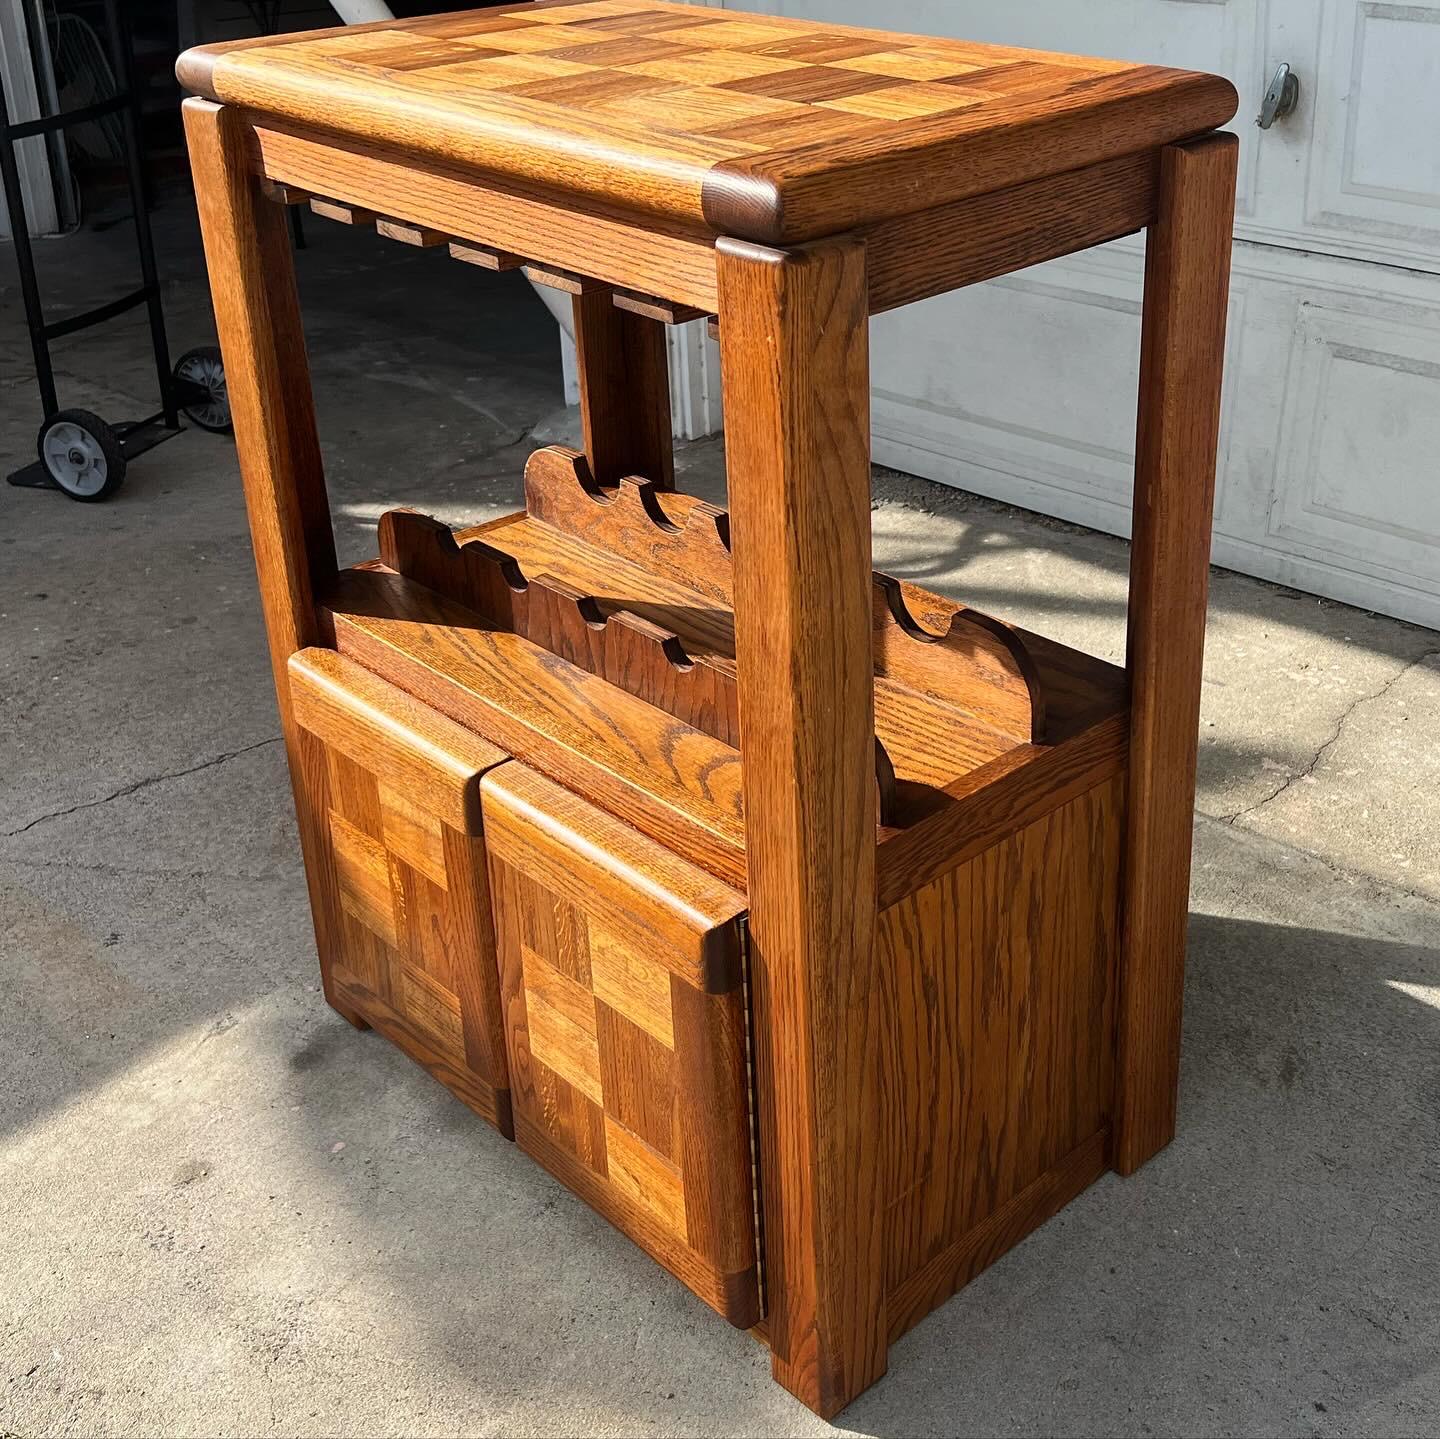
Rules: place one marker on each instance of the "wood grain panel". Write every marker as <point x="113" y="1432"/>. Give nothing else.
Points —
<point x="996" y="799"/>
<point x="402" y="903"/>
<point x="1182" y="356"/>
<point x="627" y="648"/>
<point x="624" y="375"/>
<point x="434" y="763"/>
<point x="484" y="214"/>
<point x="644" y="1114"/>
<point x="669" y="780"/>
<point x="1000" y="1231"/>
<point x="629" y="982"/>
<point x="794" y="361"/>
<point x="915" y="256"/>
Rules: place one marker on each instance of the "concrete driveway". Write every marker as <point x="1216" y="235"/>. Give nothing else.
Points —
<point x="222" y="1211"/>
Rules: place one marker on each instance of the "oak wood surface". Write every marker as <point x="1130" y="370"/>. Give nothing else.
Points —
<point x="257" y="317"/>
<point x="931" y="1067"/>
<point x="655" y="307"/>
<point x="402" y="903"/>
<point x="974" y="239"/>
<point x="757" y="126"/>
<point x="627" y="882"/>
<point x="624" y="377"/>
<point x="666" y="645"/>
<point x="646" y="659"/>
<point x="979" y="808"/>
<point x="646" y="539"/>
<point x="997" y="1004"/>
<point x="669" y="780"/>
<point x="644" y="253"/>
<point x="621" y="967"/>
<point x="794" y="363"/>
<point x="1182" y="356"/>
<point x="1000" y="1231"/>
<point x="435" y="761"/>
<point x="485" y="256"/>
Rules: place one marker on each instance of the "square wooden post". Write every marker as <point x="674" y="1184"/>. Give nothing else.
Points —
<point x="794" y="358"/>
<point x="257" y="316"/>
<point x="1187" y="281"/>
<point x="624" y="391"/>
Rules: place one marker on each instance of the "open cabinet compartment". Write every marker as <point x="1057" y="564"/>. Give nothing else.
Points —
<point x="589" y="640"/>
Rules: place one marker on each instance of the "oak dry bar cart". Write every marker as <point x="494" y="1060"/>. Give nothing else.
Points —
<point x="825" y="935"/>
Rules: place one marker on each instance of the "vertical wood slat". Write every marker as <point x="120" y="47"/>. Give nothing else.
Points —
<point x="1187" y="271"/>
<point x="795" y="366"/>
<point x="257" y="316"/>
<point x="624" y="391"/>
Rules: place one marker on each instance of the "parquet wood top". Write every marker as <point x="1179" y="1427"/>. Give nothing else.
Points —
<point x="758" y="126"/>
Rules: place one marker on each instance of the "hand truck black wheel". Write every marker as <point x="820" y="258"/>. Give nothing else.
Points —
<point x="200" y="389"/>
<point x="82" y="454"/>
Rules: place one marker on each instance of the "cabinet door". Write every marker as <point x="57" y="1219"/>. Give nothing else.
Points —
<point x="397" y="872"/>
<point x="621" y="971"/>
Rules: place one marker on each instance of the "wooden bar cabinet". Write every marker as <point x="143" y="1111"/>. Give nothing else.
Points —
<point x="824" y="934"/>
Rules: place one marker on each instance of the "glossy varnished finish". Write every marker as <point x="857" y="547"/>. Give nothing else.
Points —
<point x="756" y="126"/>
<point x="795" y="369"/>
<point x="624" y="392"/>
<point x="588" y="794"/>
<point x="404" y="912"/>
<point x="998" y="1005"/>
<point x="665" y="777"/>
<point x="622" y="970"/>
<point x="1187" y="273"/>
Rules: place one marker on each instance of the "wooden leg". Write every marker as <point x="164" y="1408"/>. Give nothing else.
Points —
<point x="257" y="314"/>
<point x="795" y="368"/>
<point x="624" y="392"/>
<point x="1187" y="273"/>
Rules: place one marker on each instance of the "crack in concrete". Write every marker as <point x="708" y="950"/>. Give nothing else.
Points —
<point x="70" y="866"/>
<point x="138" y="785"/>
<point x="1390" y="891"/>
<point x="1309" y="769"/>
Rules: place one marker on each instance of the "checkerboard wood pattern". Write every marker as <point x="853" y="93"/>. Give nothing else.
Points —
<point x="620" y="969"/>
<point x="400" y="892"/>
<point x="726" y="117"/>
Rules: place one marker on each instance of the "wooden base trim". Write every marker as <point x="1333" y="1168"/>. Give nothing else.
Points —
<point x="732" y="1296"/>
<point x="953" y="1268"/>
<point x="357" y="999"/>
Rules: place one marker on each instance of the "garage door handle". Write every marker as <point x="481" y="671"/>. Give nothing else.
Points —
<point x="1281" y="97"/>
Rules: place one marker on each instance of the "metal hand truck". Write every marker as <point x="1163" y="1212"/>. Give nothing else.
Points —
<point x="80" y="453"/>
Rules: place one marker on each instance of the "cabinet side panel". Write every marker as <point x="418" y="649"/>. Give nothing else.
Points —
<point x="998" y="1003"/>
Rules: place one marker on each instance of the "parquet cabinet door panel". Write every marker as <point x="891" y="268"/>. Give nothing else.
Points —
<point x="400" y="890"/>
<point x="621" y="971"/>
